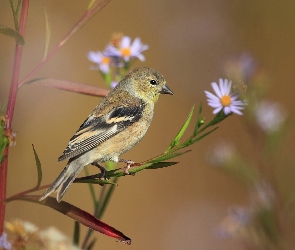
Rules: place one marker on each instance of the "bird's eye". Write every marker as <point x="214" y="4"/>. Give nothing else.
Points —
<point x="153" y="82"/>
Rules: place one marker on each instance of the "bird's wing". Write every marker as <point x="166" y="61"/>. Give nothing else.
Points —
<point x="97" y="129"/>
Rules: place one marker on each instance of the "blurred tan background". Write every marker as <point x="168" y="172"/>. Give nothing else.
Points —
<point x="175" y="208"/>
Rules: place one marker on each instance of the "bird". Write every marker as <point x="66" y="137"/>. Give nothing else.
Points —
<point x="116" y="125"/>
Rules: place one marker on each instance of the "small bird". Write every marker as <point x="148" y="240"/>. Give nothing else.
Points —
<point x="115" y="126"/>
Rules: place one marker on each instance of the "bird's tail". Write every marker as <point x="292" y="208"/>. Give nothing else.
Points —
<point x="64" y="180"/>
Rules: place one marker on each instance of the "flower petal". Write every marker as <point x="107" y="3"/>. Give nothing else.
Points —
<point x="94" y="56"/>
<point x="223" y="89"/>
<point x="216" y="89"/>
<point x="125" y="42"/>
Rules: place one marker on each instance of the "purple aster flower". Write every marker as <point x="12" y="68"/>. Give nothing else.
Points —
<point x="127" y="50"/>
<point x="4" y="243"/>
<point x="270" y="116"/>
<point x="240" y="68"/>
<point x="102" y="61"/>
<point x="224" y="99"/>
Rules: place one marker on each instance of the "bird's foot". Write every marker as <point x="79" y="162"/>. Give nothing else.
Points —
<point x="102" y="170"/>
<point x="129" y="163"/>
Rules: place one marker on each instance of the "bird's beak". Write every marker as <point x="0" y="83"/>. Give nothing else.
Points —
<point x="166" y="90"/>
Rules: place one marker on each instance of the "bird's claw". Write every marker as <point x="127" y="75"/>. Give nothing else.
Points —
<point x="102" y="170"/>
<point x="128" y="166"/>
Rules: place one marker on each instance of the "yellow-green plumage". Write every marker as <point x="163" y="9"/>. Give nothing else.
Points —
<point x="116" y="125"/>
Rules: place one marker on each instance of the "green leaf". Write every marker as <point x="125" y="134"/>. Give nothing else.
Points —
<point x="39" y="168"/>
<point x="94" y="179"/>
<point x="181" y="131"/>
<point x="91" y="188"/>
<point x="90" y="5"/>
<point x="106" y="199"/>
<point x="47" y="33"/>
<point x="161" y="165"/>
<point x="4" y="142"/>
<point x="200" y="121"/>
<point x="76" y="237"/>
<point x="18" y="6"/>
<point x="218" y="118"/>
<point x="165" y="157"/>
<point x="91" y="244"/>
<point x="201" y="137"/>
<point x="15" y="12"/>
<point x="12" y="33"/>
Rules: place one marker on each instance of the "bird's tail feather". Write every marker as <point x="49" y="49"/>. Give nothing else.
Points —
<point x="63" y="181"/>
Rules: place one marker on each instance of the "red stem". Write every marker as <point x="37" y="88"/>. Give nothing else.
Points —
<point x="15" y="83"/>
<point x="10" y="108"/>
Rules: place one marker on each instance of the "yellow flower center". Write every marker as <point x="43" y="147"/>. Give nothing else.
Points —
<point x="126" y="51"/>
<point x="225" y="100"/>
<point x="106" y="60"/>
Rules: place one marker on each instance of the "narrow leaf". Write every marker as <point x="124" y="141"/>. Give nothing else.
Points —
<point x="4" y="142"/>
<point x="218" y="118"/>
<point x="39" y="169"/>
<point x="90" y="5"/>
<point x="91" y="244"/>
<point x="12" y="33"/>
<point x="161" y="165"/>
<point x="93" y="179"/>
<point x="47" y="33"/>
<point x="165" y="157"/>
<point x="79" y="215"/>
<point x="182" y="130"/>
<point x="91" y="189"/>
<point x="76" y="237"/>
<point x="71" y="86"/>
<point x="202" y="136"/>
<point x="199" y="120"/>
<point x="17" y="7"/>
<point x="107" y="199"/>
<point x="15" y="13"/>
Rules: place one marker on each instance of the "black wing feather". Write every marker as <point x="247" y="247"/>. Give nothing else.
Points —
<point x="106" y="127"/>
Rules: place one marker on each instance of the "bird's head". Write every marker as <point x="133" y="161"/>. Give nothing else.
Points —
<point x="147" y="84"/>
